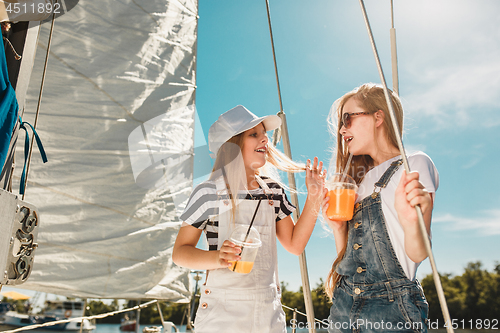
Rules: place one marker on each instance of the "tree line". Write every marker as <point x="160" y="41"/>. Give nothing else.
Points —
<point x="174" y="312"/>
<point x="472" y="296"/>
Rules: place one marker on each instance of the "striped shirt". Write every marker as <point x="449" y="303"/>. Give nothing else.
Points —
<point x="203" y="206"/>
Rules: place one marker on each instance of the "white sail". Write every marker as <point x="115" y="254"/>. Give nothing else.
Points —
<point x="117" y="122"/>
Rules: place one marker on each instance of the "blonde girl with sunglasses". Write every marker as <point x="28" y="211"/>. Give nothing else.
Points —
<point x="372" y="283"/>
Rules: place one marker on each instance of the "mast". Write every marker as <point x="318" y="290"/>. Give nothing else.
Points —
<point x="18" y="243"/>
<point x="24" y="39"/>
<point x="423" y="230"/>
<point x="394" y="54"/>
<point x="291" y="182"/>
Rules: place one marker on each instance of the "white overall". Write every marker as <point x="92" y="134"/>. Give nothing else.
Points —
<point x="245" y="303"/>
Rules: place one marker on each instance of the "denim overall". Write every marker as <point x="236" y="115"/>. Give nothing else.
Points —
<point x="374" y="294"/>
<point x="245" y="303"/>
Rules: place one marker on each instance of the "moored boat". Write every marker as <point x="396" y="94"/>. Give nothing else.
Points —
<point x="53" y="311"/>
<point x="128" y="325"/>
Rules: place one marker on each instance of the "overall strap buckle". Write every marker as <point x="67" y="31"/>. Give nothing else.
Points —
<point x="384" y="180"/>
<point x="375" y="192"/>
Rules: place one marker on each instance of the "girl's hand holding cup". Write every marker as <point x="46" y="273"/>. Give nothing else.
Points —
<point x="334" y="225"/>
<point x="228" y="252"/>
<point x="338" y="206"/>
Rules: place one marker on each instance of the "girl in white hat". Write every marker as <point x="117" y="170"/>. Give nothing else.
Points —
<point x="240" y="192"/>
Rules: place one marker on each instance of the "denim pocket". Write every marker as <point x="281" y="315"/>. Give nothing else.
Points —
<point x="423" y="306"/>
<point x="339" y="318"/>
<point x="414" y="309"/>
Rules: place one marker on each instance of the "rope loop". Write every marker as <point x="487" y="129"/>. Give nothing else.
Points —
<point x="26" y="151"/>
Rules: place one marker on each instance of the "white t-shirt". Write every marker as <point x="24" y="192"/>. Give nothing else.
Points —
<point x="428" y="176"/>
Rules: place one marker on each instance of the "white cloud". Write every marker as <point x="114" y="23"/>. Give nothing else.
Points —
<point x="455" y="95"/>
<point x="486" y="224"/>
<point x="449" y="64"/>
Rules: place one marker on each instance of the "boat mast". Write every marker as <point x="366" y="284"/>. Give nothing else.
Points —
<point x="17" y="264"/>
<point x="24" y="40"/>
<point x="291" y="182"/>
<point x="394" y="54"/>
<point x="423" y="230"/>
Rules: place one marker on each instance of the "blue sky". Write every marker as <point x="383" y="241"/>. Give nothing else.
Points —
<point x="449" y="74"/>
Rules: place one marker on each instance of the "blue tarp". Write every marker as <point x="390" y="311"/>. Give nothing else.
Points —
<point x="8" y="108"/>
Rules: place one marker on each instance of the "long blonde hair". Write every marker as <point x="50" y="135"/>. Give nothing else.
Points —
<point x="371" y="98"/>
<point x="229" y="161"/>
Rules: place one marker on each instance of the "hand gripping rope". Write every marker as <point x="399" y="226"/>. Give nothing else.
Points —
<point x="435" y="274"/>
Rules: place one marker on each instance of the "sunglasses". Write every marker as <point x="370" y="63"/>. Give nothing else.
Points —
<point x="346" y="118"/>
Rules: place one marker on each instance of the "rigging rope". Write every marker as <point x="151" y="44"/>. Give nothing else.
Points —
<point x="17" y="56"/>
<point x="423" y="230"/>
<point x="39" y="99"/>
<point x="291" y="182"/>
<point x="100" y="316"/>
<point x="274" y="54"/>
<point x="277" y="132"/>
<point x="305" y="315"/>
<point x="109" y="314"/>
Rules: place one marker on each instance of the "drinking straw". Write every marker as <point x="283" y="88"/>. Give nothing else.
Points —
<point x="248" y="231"/>
<point x="344" y="173"/>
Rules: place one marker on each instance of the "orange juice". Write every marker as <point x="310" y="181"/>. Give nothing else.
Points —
<point x="243" y="267"/>
<point x="341" y="204"/>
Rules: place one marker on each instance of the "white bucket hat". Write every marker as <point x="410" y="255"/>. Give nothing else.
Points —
<point x="236" y="121"/>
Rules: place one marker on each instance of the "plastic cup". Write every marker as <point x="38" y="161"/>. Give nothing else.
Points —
<point x="249" y="244"/>
<point x="342" y="192"/>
